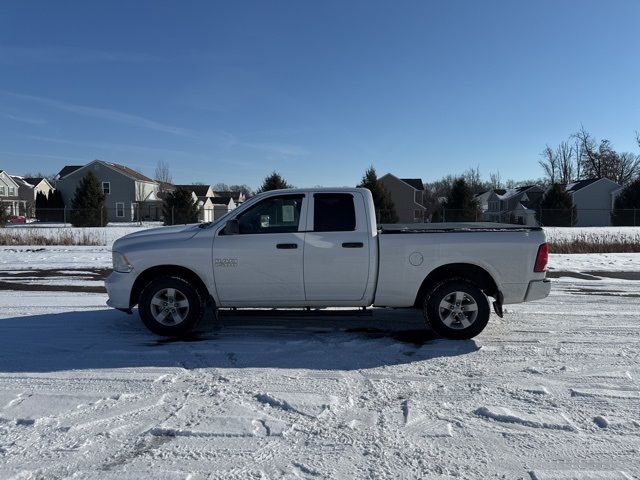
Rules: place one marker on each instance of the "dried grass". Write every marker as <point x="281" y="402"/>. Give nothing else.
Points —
<point x="62" y="237"/>
<point x="596" y="243"/>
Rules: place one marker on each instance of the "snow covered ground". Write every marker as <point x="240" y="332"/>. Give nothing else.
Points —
<point x="549" y="392"/>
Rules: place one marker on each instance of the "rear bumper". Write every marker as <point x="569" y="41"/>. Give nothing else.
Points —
<point x="537" y="290"/>
<point x="119" y="289"/>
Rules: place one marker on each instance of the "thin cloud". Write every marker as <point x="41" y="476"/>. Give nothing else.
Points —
<point x="104" y="114"/>
<point x="284" y="149"/>
<point x="19" y="118"/>
<point x="21" y="55"/>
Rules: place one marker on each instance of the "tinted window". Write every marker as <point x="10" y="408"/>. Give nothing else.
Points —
<point x="333" y="212"/>
<point x="273" y="215"/>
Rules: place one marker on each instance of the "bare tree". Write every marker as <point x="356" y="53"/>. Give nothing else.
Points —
<point x="565" y="161"/>
<point x="163" y="174"/>
<point x="494" y="180"/>
<point x="549" y="164"/>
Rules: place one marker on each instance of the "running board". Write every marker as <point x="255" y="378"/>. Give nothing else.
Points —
<point x="294" y="312"/>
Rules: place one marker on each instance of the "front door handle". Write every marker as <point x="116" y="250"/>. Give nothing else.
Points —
<point x="352" y="245"/>
<point x="287" y="246"/>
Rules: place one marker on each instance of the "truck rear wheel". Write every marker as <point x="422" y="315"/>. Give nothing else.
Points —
<point x="170" y="306"/>
<point x="456" y="309"/>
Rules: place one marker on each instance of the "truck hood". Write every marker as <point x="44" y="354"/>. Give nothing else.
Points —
<point x="177" y="232"/>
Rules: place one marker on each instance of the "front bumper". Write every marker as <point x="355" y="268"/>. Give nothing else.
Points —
<point x="537" y="290"/>
<point x="119" y="290"/>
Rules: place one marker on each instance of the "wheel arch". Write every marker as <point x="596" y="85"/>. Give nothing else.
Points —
<point x="148" y="275"/>
<point x="463" y="271"/>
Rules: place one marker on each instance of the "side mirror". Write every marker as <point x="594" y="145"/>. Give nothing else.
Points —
<point x="232" y="227"/>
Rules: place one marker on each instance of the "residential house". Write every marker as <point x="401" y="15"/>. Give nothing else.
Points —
<point x="221" y="205"/>
<point x="594" y="199"/>
<point x="517" y="205"/>
<point x="408" y="197"/>
<point x="237" y="196"/>
<point x="9" y="196"/>
<point x="202" y="195"/>
<point x="483" y="198"/>
<point x="28" y="189"/>
<point x="129" y="195"/>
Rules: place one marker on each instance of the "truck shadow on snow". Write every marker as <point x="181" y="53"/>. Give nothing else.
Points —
<point x="109" y="339"/>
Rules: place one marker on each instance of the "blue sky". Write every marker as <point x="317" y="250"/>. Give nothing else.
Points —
<point x="229" y="91"/>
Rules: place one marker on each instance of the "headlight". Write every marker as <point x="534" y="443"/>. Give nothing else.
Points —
<point x="121" y="263"/>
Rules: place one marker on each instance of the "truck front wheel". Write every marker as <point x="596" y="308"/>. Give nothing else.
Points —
<point x="456" y="309"/>
<point x="170" y="306"/>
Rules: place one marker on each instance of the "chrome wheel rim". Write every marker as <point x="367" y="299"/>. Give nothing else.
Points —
<point x="458" y="310"/>
<point x="169" y="307"/>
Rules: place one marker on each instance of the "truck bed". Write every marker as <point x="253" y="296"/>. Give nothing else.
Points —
<point x="394" y="228"/>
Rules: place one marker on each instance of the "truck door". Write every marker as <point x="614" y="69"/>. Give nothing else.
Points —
<point x="262" y="264"/>
<point x="337" y="249"/>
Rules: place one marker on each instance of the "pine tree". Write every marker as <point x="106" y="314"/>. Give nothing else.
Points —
<point x="179" y="208"/>
<point x="274" y="182"/>
<point x="88" y="209"/>
<point x="41" y="207"/>
<point x="626" y="208"/>
<point x="55" y="206"/>
<point x="4" y="215"/>
<point x="385" y="210"/>
<point x="461" y="204"/>
<point x="556" y="208"/>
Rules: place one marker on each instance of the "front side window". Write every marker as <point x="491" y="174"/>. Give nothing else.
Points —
<point x="12" y="191"/>
<point x="119" y="209"/>
<point x="106" y="188"/>
<point x="333" y="212"/>
<point x="2" y="190"/>
<point x="273" y="215"/>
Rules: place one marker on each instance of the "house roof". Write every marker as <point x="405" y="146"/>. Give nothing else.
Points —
<point x="33" y="180"/>
<point x="67" y="169"/>
<point x="414" y="182"/>
<point x="235" y="194"/>
<point x="580" y="184"/>
<point x="221" y="200"/>
<point x="130" y="172"/>
<point x="199" y="190"/>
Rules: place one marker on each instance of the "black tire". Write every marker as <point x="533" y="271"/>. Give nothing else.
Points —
<point x="456" y="324"/>
<point x="184" y="291"/>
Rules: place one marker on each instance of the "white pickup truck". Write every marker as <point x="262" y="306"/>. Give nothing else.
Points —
<point x="322" y="248"/>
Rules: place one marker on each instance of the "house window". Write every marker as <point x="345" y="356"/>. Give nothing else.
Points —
<point x="119" y="209"/>
<point x="2" y="190"/>
<point x="106" y="188"/>
<point x="12" y="191"/>
<point x="417" y="216"/>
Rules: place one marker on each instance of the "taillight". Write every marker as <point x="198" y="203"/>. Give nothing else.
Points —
<point x="542" y="258"/>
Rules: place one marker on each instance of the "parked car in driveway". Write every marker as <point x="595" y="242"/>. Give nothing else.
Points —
<point x="322" y="248"/>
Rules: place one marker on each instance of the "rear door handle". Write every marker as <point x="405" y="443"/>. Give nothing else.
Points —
<point x="352" y="245"/>
<point x="286" y="246"/>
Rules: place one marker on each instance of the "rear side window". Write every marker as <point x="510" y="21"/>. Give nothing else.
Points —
<point x="333" y="212"/>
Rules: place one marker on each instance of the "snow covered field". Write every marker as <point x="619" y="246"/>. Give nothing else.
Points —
<point x="567" y="234"/>
<point x="549" y="392"/>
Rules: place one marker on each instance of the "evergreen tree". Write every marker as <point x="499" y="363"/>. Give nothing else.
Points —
<point x="42" y="204"/>
<point x="55" y="206"/>
<point x="274" y="182"/>
<point x="4" y="215"/>
<point x="626" y="208"/>
<point x="88" y="209"/>
<point x="385" y="210"/>
<point x="461" y="204"/>
<point x="556" y="208"/>
<point x="179" y="208"/>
